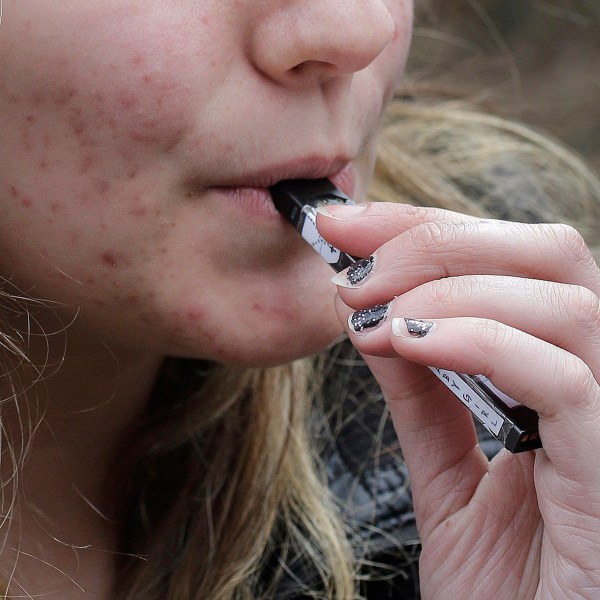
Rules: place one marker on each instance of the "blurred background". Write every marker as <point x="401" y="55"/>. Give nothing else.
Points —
<point x="535" y="60"/>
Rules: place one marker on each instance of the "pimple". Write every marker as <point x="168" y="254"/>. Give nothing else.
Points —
<point x="87" y="162"/>
<point x="56" y="207"/>
<point x="65" y="96"/>
<point x="128" y="301"/>
<point x="26" y="201"/>
<point x="127" y="101"/>
<point x="98" y="97"/>
<point x="110" y="259"/>
<point x="78" y="129"/>
<point x="136" y="208"/>
<point x="115" y="260"/>
<point x="259" y="308"/>
<point x="14" y="192"/>
<point x="195" y="313"/>
<point x="90" y="280"/>
<point x="102" y="186"/>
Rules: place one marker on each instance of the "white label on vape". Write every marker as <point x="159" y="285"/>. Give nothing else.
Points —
<point x="489" y="418"/>
<point x="311" y="235"/>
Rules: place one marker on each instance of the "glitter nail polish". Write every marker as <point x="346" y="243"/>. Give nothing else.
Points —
<point x="359" y="270"/>
<point x="368" y="318"/>
<point x="418" y="328"/>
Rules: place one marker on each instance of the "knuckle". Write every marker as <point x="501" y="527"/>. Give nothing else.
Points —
<point x="492" y="337"/>
<point x="583" y="307"/>
<point x="577" y="380"/>
<point x="570" y="242"/>
<point x="442" y="292"/>
<point x="447" y="291"/>
<point x="437" y="236"/>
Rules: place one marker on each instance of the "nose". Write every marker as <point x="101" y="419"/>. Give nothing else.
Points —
<point x="320" y="39"/>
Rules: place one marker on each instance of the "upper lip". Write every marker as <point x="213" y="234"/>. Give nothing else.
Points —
<point x="311" y="167"/>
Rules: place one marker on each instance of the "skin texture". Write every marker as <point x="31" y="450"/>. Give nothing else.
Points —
<point x="121" y="123"/>
<point x="136" y="142"/>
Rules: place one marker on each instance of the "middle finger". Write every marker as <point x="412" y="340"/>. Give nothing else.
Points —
<point x="432" y="251"/>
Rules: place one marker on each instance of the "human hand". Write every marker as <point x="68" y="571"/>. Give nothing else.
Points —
<point x="518" y="303"/>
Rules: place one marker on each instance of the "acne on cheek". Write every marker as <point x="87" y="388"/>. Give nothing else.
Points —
<point x="194" y="327"/>
<point x="113" y="260"/>
<point x="136" y="207"/>
<point x="16" y="195"/>
<point x="147" y="110"/>
<point x="195" y="313"/>
<point x="144" y="110"/>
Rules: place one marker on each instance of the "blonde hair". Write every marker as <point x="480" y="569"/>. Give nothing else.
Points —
<point x="243" y="491"/>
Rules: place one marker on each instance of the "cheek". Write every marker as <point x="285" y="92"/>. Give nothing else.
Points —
<point x="107" y="88"/>
<point x="89" y="148"/>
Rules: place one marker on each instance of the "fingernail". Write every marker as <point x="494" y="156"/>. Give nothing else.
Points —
<point x="341" y="211"/>
<point x="368" y="318"/>
<point x="415" y="328"/>
<point x="355" y="273"/>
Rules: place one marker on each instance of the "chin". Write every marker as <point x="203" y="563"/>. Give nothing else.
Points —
<point x="272" y="350"/>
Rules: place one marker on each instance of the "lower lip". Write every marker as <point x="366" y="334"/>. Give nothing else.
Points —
<point x="255" y="201"/>
<point x="258" y="202"/>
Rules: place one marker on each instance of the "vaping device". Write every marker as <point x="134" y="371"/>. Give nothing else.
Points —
<point x="514" y="425"/>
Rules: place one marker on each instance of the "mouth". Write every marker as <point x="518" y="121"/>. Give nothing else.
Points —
<point x="305" y="168"/>
<point x="250" y="190"/>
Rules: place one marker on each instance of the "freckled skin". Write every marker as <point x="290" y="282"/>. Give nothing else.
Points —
<point x="109" y="109"/>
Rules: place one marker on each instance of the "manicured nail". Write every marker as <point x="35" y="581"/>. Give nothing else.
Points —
<point x="355" y="273"/>
<point x="368" y="318"/>
<point x="341" y="211"/>
<point x="415" y="328"/>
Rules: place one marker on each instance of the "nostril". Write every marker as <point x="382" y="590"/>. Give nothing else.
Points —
<point x="308" y="65"/>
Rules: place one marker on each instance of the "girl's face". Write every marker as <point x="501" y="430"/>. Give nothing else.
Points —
<point x="136" y="142"/>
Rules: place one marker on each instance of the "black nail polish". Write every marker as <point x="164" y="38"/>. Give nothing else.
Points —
<point x="368" y="318"/>
<point x="359" y="270"/>
<point x="418" y="328"/>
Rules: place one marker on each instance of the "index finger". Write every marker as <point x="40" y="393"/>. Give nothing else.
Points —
<point x="383" y="221"/>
